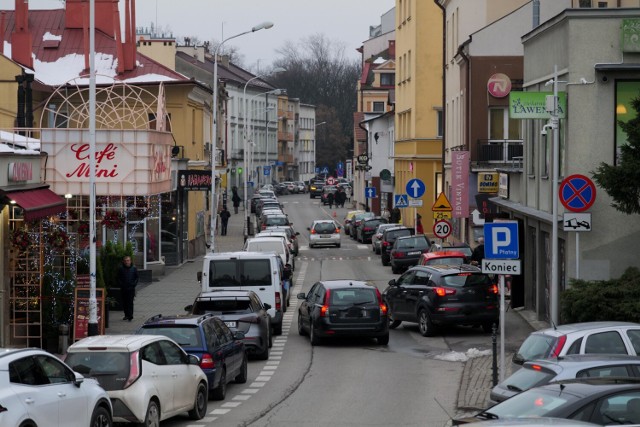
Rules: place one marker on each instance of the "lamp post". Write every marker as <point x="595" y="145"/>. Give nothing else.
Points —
<point x="214" y="125"/>
<point x="554" y="220"/>
<point x="92" y="326"/>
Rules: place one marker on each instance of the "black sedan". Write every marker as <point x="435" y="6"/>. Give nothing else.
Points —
<point x="602" y="401"/>
<point x="335" y="308"/>
<point x="367" y="228"/>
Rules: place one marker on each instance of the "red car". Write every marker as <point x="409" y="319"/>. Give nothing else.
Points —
<point x="442" y="258"/>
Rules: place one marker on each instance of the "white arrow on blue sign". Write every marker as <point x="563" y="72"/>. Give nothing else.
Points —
<point x="501" y="240"/>
<point x="266" y="170"/>
<point x="370" y="192"/>
<point x="415" y="188"/>
<point x="400" y="201"/>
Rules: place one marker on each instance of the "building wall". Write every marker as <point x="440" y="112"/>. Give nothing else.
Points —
<point x="305" y="151"/>
<point x="160" y="50"/>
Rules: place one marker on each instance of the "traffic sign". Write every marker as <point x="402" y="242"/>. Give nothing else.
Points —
<point x="501" y="240"/>
<point x="415" y="203"/>
<point x="442" y="204"/>
<point x="363" y="159"/>
<point x="442" y="215"/>
<point x="501" y="266"/>
<point x="331" y="181"/>
<point x="576" y="221"/>
<point x="442" y="229"/>
<point x="400" y="201"/>
<point x="577" y="193"/>
<point x="250" y="183"/>
<point x="415" y="188"/>
<point x="370" y="192"/>
<point x="266" y="170"/>
<point x="324" y="171"/>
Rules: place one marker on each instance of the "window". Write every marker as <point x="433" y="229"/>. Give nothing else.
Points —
<point x="55" y="371"/>
<point x="584" y="3"/>
<point x="502" y="127"/>
<point x="172" y="353"/>
<point x="440" y="124"/>
<point x="605" y="342"/>
<point x="602" y="4"/>
<point x="387" y="79"/>
<point x="378" y="107"/>
<point x="626" y="91"/>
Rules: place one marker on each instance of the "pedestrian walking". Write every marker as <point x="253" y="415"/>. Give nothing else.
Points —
<point x="395" y="216"/>
<point x="478" y="252"/>
<point x="419" y="229"/>
<point x="224" y="220"/>
<point x="127" y="280"/>
<point x="348" y="193"/>
<point x="341" y="198"/>
<point x="330" y="199"/>
<point x="235" y="199"/>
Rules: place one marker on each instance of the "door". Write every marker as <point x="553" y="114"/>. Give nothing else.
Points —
<point x="33" y="390"/>
<point x="308" y="305"/>
<point x="415" y="292"/>
<point x="155" y="368"/>
<point x="227" y="349"/>
<point x="184" y="390"/>
<point x="397" y="296"/>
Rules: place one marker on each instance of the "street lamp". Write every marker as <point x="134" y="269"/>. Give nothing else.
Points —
<point x="214" y="125"/>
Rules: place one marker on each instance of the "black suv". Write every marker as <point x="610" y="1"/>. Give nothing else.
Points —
<point x="315" y="189"/>
<point x="221" y="352"/>
<point x="442" y="295"/>
<point x="389" y="236"/>
<point x="367" y="228"/>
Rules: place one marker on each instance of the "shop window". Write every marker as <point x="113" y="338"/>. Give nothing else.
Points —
<point x="626" y="91"/>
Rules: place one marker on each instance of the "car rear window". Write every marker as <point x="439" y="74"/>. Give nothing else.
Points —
<point x="275" y="220"/>
<point x="258" y="246"/>
<point x="110" y="368"/>
<point x="184" y="335"/>
<point x="414" y="243"/>
<point x="467" y="279"/>
<point x="536" y="346"/>
<point x="222" y="306"/>
<point x="536" y="402"/>
<point x="394" y="234"/>
<point x="528" y="377"/>
<point x="444" y="261"/>
<point x="252" y="272"/>
<point x="351" y="296"/>
<point x="324" y="227"/>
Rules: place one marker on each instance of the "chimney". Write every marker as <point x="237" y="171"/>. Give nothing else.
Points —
<point x="104" y="18"/>
<point x="21" y="40"/>
<point x="392" y="49"/>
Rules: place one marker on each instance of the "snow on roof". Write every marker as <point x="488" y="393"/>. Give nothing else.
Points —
<point x="379" y="60"/>
<point x="18" y="144"/>
<point x="49" y="36"/>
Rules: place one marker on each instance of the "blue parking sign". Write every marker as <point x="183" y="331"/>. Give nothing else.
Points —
<point x="501" y="240"/>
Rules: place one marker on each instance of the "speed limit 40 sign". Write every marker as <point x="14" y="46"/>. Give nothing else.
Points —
<point x="442" y="229"/>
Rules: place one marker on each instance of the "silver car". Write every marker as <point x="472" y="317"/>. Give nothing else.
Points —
<point x="377" y="236"/>
<point x="324" y="232"/>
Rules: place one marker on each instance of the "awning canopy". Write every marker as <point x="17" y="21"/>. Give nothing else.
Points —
<point x="37" y="203"/>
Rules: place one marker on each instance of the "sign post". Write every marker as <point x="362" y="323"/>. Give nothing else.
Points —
<point x="415" y="189"/>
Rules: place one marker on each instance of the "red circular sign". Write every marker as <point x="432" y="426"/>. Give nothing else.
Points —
<point x="442" y="229"/>
<point x="331" y="181"/>
<point x="577" y="193"/>
<point x="499" y="85"/>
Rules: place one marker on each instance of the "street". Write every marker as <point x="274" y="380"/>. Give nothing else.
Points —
<point x="414" y="381"/>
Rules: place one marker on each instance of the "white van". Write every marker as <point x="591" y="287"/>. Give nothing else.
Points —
<point x="260" y="272"/>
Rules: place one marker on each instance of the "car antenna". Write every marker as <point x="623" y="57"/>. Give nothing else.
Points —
<point x="443" y="409"/>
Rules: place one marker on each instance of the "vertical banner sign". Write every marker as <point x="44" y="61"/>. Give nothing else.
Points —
<point x="460" y="184"/>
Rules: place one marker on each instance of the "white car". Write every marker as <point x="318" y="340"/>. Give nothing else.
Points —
<point x="38" y="389"/>
<point x="278" y="233"/>
<point x="324" y="232"/>
<point x="149" y="378"/>
<point x="271" y="244"/>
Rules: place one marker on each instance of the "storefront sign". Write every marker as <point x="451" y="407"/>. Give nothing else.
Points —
<point x="532" y="105"/>
<point x="487" y="182"/>
<point x="194" y="180"/>
<point x="460" y="183"/>
<point x="503" y="186"/>
<point x="20" y="171"/>
<point x="499" y="85"/>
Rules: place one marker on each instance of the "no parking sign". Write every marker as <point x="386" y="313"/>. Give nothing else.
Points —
<point x="577" y="193"/>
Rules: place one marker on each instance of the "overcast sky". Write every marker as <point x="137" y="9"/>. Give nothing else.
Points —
<point x="345" y="21"/>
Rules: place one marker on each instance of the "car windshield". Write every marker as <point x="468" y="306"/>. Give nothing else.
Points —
<point x="222" y="306"/>
<point x="466" y="279"/>
<point x="412" y="243"/>
<point x="184" y="335"/>
<point x="536" y="346"/>
<point x="536" y="402"/>
<point x="353" y="296"/>
<point x="324" y="226"/>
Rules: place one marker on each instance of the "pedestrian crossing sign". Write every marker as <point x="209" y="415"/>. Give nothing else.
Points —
<point x="400" y="201"/>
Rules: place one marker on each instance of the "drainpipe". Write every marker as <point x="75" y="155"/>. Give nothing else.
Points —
<point x="444" y="85"/>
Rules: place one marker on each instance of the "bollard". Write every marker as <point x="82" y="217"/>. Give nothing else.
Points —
<point x="494" y="348"/>
<point x="63" y="338"/>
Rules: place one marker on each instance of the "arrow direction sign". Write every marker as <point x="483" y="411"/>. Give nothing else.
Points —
<point x="475" y="215"/>
<point x="415" y="188"/>
<point x="370" y="192"/>
<point x="400" y="201"/>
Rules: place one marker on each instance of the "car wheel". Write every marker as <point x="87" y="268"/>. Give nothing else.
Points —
<point x="241" y="378"/>
<point x="488" y="326"/>
<point x="426" y="326"/>
<point x="152" y="419"/>
<point x="383" y="340"/>
<point x="393" y="323"/>
<point x="277" y="329"/>
<point x="101" y="417"/>
<point x="301" y="330"/>
<point x="315" y="339"/>
<point x="200" y="405"/>
<point x="220" y="392"/>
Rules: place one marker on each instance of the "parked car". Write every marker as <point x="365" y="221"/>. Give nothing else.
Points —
<point x="334" y="308"/>
<point x="326" y="190"/>
<point x="441" y="295"/>
<point x="602" y="401"/>
<point x="38" y="389"/>
<point x="271" y="219"/>
<point x="240" y="311"/>
<point x="149" y="378"/>
<point x="293" y="235"/>
<point x="355" y="222"/>
<point x="367" y="228"/>
<point x="315" y="189"/>
<point x="406" y="251"/>
<point x="346" y="223"/>
<point x="442" y="258"/>
<point x="271" y="244"/>
<point x="543" y="371"/>
<point x="580" y="338"/>
<point x="531" y="422"/>
<point x="453" y="246"/>
<point x="255" y="198"/>
<point x="324" y="232"/>
<point x="389" y="236"/>
<point x="301" y="187"/>
<point x="376" y="239"/>
<point x="270" y="232"/>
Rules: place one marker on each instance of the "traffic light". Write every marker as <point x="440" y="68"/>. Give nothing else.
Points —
<point x="240" y="171"/>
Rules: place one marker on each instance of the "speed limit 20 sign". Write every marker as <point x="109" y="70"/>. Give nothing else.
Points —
<point x="442" y="229"/>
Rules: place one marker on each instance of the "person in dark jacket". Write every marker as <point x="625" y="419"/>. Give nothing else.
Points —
<point x="127" y="278"/>
<point x="235" y="199"/>
<point x="478" y="252"/>
<point x="224" y="220"/>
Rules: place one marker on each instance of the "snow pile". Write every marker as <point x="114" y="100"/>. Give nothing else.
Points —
<point x="456" y="356"/>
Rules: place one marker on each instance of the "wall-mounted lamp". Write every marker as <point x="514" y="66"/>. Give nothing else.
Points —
<point x="621" y="109"/>
<point x="68" y="196"/>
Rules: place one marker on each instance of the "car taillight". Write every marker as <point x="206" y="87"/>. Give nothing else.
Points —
<point x="386" y="244"/>
<point x="381" y="304"/>
<point x="367" y="229"/>
<point x="536" y="367"/>
<point x="324" y="310"/>
<point x="562" y="339"/>
<point x="278" y="301"/>
<point x="264" y="226"/>
<point x="134" y="369"/>
<point x="336" y="231"/>
<point x="397" y="254"/>
<point x="493" y="289"/>
<point x="207" y="362"/>
<point x="443" y="292"/>
<point x="313" y="231"/>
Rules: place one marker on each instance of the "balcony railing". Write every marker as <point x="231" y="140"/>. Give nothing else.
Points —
<point x="497" y="152"/>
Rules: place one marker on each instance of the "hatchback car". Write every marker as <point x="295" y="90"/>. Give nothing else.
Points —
<point x="580" y="338"/>
<point x="335" y="308"/>
<point x="315" y="189"/>
<point x="356" y="220"/>
<point x="543" y="371"/>
<point x="240" y="311"/>
<point x="324" y="232"/>
<point x="377" y="236"/>
<point x="346" y="223"/>
<point x="301" y="187"/>
<point x="221" y="352"/>
<point x="269" y="220"/>
<point x="602" y="401"/>
<point x="149" y="378"/>
<point x="38" y="389"/>
<point x="406" y="251"/>
<point x="442" y="295"/>
<point x="271" y="244"/>
<point x="270" y="232"/>
<point x="389" y="236"/>
<point x="367" y="228"/>
<point x="291" y="233"/>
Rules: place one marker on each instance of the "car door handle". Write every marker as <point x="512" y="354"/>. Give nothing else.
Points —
<point x="29" y="400"/>
<point x="61" y="394"/>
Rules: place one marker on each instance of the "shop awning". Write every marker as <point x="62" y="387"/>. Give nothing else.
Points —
<point x="37" y="203"/>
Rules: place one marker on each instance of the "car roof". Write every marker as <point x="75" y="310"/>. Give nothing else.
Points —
<point x="445" y="269"/>
<point x="585" y="326"/>
<point x="177" y="319"/>
<point x="345" y="283"/>
<point x="221" y="293"/>
<point x="114" y="342"/>
<point x="239" y="255"/>
<point x="582" y="361"/>
<point x="277" y="239"/>
<point x="413" y="236"/>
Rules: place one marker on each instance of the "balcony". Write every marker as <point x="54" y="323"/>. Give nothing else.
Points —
<point x="500" y="152"/>
<point x="285" y="136"/>
<point x="285" y="158"/>
<point x="289" y="115"/>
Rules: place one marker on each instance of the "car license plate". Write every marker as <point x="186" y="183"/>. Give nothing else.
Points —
<point x="324" y="236"/>
<point x="414" y="253"/>
<point x="231" y="324"/>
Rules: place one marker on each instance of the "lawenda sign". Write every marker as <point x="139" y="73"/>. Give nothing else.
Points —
<point x="532" y="105"/>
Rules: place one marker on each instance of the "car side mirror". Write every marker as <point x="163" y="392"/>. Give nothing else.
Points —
<point x="393" y="282"/>
<point x="188" y="307"/>
<point x="266" y="306"/>
<point x="79" y="379"/>
<point x="199" y="276"/>
<point x="301" y="295"/>
<point x="193" y="360"/>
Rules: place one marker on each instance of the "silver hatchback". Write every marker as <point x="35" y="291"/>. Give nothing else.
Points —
<point x="324" y="232"/>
